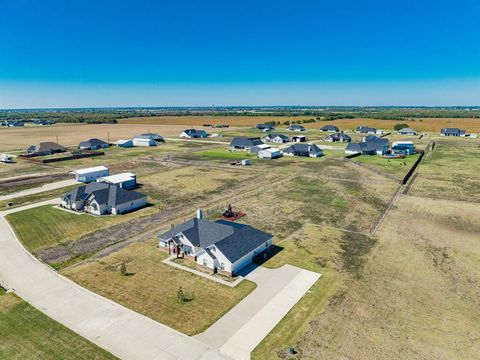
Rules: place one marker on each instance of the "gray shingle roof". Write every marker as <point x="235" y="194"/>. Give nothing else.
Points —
<point x="234" y="240"/>
<point x="245" y="142"/>
<point x="339" y="136"/>
<point x="366" y="129"/>
<point x="296" y="127"/>
<point x="109" y="194"/>
<point x="48" y="146"/>
<point x="406" y="131"/>
<point x="92" y="143"/>
<point x="300" y="149"/>
<point x="452" y="131"/>
<point x="329" y="128"/>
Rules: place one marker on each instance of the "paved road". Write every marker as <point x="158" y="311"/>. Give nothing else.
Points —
<point x="239" y="331"/>
<point x="111" y="326"/>
<point x="46" y="187"/>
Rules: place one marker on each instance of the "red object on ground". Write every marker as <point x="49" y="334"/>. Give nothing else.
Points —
<point x="237" y="216"/>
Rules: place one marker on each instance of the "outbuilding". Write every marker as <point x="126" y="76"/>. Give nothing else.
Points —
<point x="269" y="154"/>
<point x="299" y="138"/>
<point x="143" y="141"/>
<point x="90" y="174"/>
<point x="124" y="180"/>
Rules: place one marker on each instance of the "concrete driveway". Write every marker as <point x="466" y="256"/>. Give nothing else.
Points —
<point x="239" y="331"/>
<point x="111" y="326"/>
<point x="37" y="190"/>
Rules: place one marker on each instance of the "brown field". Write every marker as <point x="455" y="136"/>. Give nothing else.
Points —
<point x="418" y="295"/>
<point x="73" y="134"/>
<point x="420" y="124"/>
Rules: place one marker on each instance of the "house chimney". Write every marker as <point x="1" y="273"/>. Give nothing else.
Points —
<point x="199" y="213"/>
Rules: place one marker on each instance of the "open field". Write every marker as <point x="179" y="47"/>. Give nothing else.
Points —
<point x="151" y="288"/>
<point x="34" y="198"/>
<point x="417" y="296"/>
<point x="26" y="333"/>
<point x="396" y="167"/>
<point x="72" y="134"/>
<point x="47" y="226"/>
<point x="418" y="124"/>
<point x="450" y="171"/>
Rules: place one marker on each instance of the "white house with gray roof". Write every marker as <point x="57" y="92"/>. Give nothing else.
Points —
<point x="219" y="246"/>
<point x="100" y="198"/>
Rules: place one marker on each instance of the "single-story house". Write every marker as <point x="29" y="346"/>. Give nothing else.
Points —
<point x="276" y="138"/>
<point x="154" y="136"/>
<point x="329" y="128"/>
<point x="100" y="198"/>
<point x="46" y="148"/>
<point x="124" y="180"/>
<point x="218" y="246"/>
<point x="338" y="137"/>
<point x="143" y="141"/>
<point x="265" y="127"/>
<point x="370" y="146"/>
<point x="124" y="143"/>
<point x="452" y="132"/>
<point x="299" y="138"/>
<point x="308" y="150"/>
<point x="406" y="131"/>
<point x="366" y="130"/>
<point x="255" y="149"/>
<point x="244" y="143"/>
<point x="93" y="144"/>
<point x="90" y="174"/>
<point x="295" y="127"/>
<point x="269" y="153"/>
<point x="15" y="123"/>
<point x="193" y="134"/>
<point x="403" y="147"/>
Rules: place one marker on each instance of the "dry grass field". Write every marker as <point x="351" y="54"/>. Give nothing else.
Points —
<point x="151" y="288"/>
<point x="420" y="124"/>
<point x="72" y="134"/>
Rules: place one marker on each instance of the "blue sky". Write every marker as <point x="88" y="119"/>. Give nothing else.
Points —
<point x="239" y="52"/>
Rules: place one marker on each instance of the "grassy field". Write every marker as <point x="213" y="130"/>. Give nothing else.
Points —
<point x="46" y="226"/>
<point x="396" y="167"/>
<point x="450" y="171"/>
<point x="26" y="333"/>
<point x="34" y="198"/>
<point x="418" y="293"/>
<point x="151" y="288"/>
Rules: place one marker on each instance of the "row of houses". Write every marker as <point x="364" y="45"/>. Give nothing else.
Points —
<point x="373" y="145"/>
<point x="255" y="145"/>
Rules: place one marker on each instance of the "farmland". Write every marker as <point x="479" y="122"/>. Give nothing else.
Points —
<point x="26" y="333"/>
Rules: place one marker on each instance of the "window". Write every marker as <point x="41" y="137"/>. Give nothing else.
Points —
<point x="205" y="262"/>
<point x="222" y="266"/>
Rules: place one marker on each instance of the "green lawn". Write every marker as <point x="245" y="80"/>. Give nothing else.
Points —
<point x="26" y="333"/>
<point x="223" y="154"/>
<point x="46" y="226"/>
<point x="34" y="198"/>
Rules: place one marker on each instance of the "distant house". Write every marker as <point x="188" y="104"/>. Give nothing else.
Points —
<point x="452" y="132"/>
<point x="265" y="127"/>
<point x="338" y="137"/>
<point x="329" y="128"/>
<point x="143" y="141"/>
<point x="154" y="136"/>
<point x="299" y="138"/>
<point x="124" y="180"/>
<point x="244" y="143"/>
<point x="124" y="143"/>
<point x="194" y="134"/>
<point x="46" y="148"/>
<point x="218" y="246"/>
<point x="5" y="158"/>
<point x="295" y="127"/>
<point x="93" y="144"/>
<point x="15" y="123"/>
<point x="269" y="153"/>
<point x="403" y="147"/>
<point x="406" y="131"/>
<point x="90" y="174"/>
<point x="370" y="145"/>
<point x="366" y="130"/>
<point x="276" y="138"/>
<point x="307" y="150"/>
<point x="100" y="198"/>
